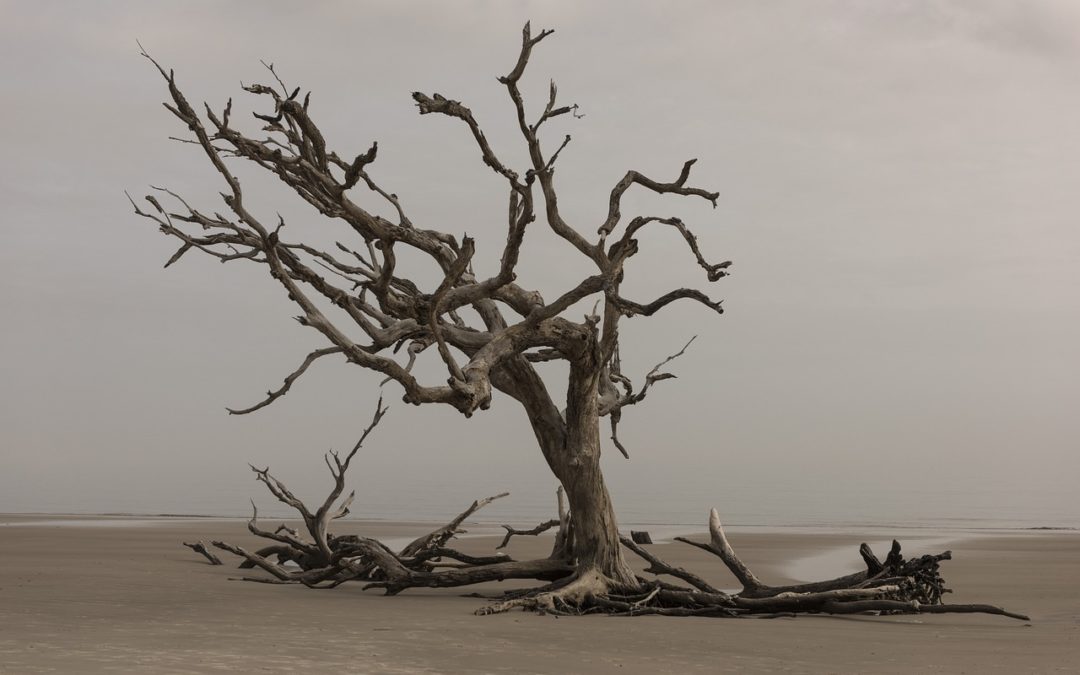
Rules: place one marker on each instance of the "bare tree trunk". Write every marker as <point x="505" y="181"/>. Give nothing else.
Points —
<point x="576" y="463"/>
<point x="596" y="543"/>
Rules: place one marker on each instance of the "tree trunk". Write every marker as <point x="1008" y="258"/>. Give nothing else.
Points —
<point x="596" y="532"/>
<point x="571" y="446"/>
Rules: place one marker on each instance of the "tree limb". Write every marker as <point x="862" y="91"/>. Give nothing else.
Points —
<point x="272" y="396"/>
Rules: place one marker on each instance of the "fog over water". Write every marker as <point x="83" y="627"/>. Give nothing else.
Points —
<point x="899" y="195"/>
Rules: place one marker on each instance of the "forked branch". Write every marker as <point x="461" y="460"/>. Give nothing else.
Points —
<point x="678" y="186"/>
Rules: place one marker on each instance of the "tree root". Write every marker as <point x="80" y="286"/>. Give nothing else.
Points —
<point x="569" y="598"/>
<point x="321" y="560"/>
<point x="896" y="586"/>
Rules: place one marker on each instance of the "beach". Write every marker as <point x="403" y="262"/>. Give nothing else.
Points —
<point x="81" y="594"/>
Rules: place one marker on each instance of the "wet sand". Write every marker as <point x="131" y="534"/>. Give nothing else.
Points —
<point x="131" y="599"/>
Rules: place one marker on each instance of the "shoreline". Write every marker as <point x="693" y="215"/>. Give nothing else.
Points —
<point x="132" y="599"/>
<point x="669" y="530"/>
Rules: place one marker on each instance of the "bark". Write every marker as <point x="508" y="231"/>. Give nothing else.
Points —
<point x="587" y="575"/>
<point x="575" y="461"/>
<point x="596" y="543"/>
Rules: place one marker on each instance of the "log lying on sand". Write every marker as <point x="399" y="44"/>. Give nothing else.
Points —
<point x="895" y="586"/>
<point x="321" y="560"/>
<point x="200" y="548"/>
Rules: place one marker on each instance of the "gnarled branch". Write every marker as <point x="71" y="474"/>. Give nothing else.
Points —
<point x="292" y="377"/>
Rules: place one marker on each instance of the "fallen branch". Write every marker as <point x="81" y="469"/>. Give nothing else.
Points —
<point x="437" y="538"/>
<point x="200" y="547"/>
<point x="532" y="532"/>
<point x="322" y="560"/>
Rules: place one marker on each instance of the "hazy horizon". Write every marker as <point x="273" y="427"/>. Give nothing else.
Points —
<point x="898" y="195"/>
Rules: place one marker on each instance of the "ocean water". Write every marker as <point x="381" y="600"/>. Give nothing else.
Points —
<point x="683" y="500"/>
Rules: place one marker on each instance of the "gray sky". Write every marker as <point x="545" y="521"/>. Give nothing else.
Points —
<point x="898" y="191"/>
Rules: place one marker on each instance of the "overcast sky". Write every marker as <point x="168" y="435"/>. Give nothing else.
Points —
<point x="899" y="194"/>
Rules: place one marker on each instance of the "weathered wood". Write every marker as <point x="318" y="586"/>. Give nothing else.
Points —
<point x="657" y="566"/>
<point x="283" y="552"/>
<point x="873" y="565"/>
<point x="359" y="288"/>
<point x="907" y="586"/>
<point x="437" y="538"/>
<point x="200" y="547"/>
<point x="510" y="531"/>
<point x="399" y="577"/>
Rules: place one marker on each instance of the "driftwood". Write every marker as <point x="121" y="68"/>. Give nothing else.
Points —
<point x="436" y="539"/>
<point x="200" y="548"/>
<point x="511" y="531"/>
<point x="322" y="560"/>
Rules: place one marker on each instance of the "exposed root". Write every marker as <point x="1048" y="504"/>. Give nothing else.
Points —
<point x="575" y="597"/>
<point x="321" y="560"/>
<point x="895" y="586"/>
<point x="388" y="307"/>
<point x="518" y="593"/>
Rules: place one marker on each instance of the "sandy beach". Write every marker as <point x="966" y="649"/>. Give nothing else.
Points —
<point x="110" y="595"/>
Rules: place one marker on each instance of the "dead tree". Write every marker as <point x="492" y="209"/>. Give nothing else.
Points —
<point x="358" y="287"/>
